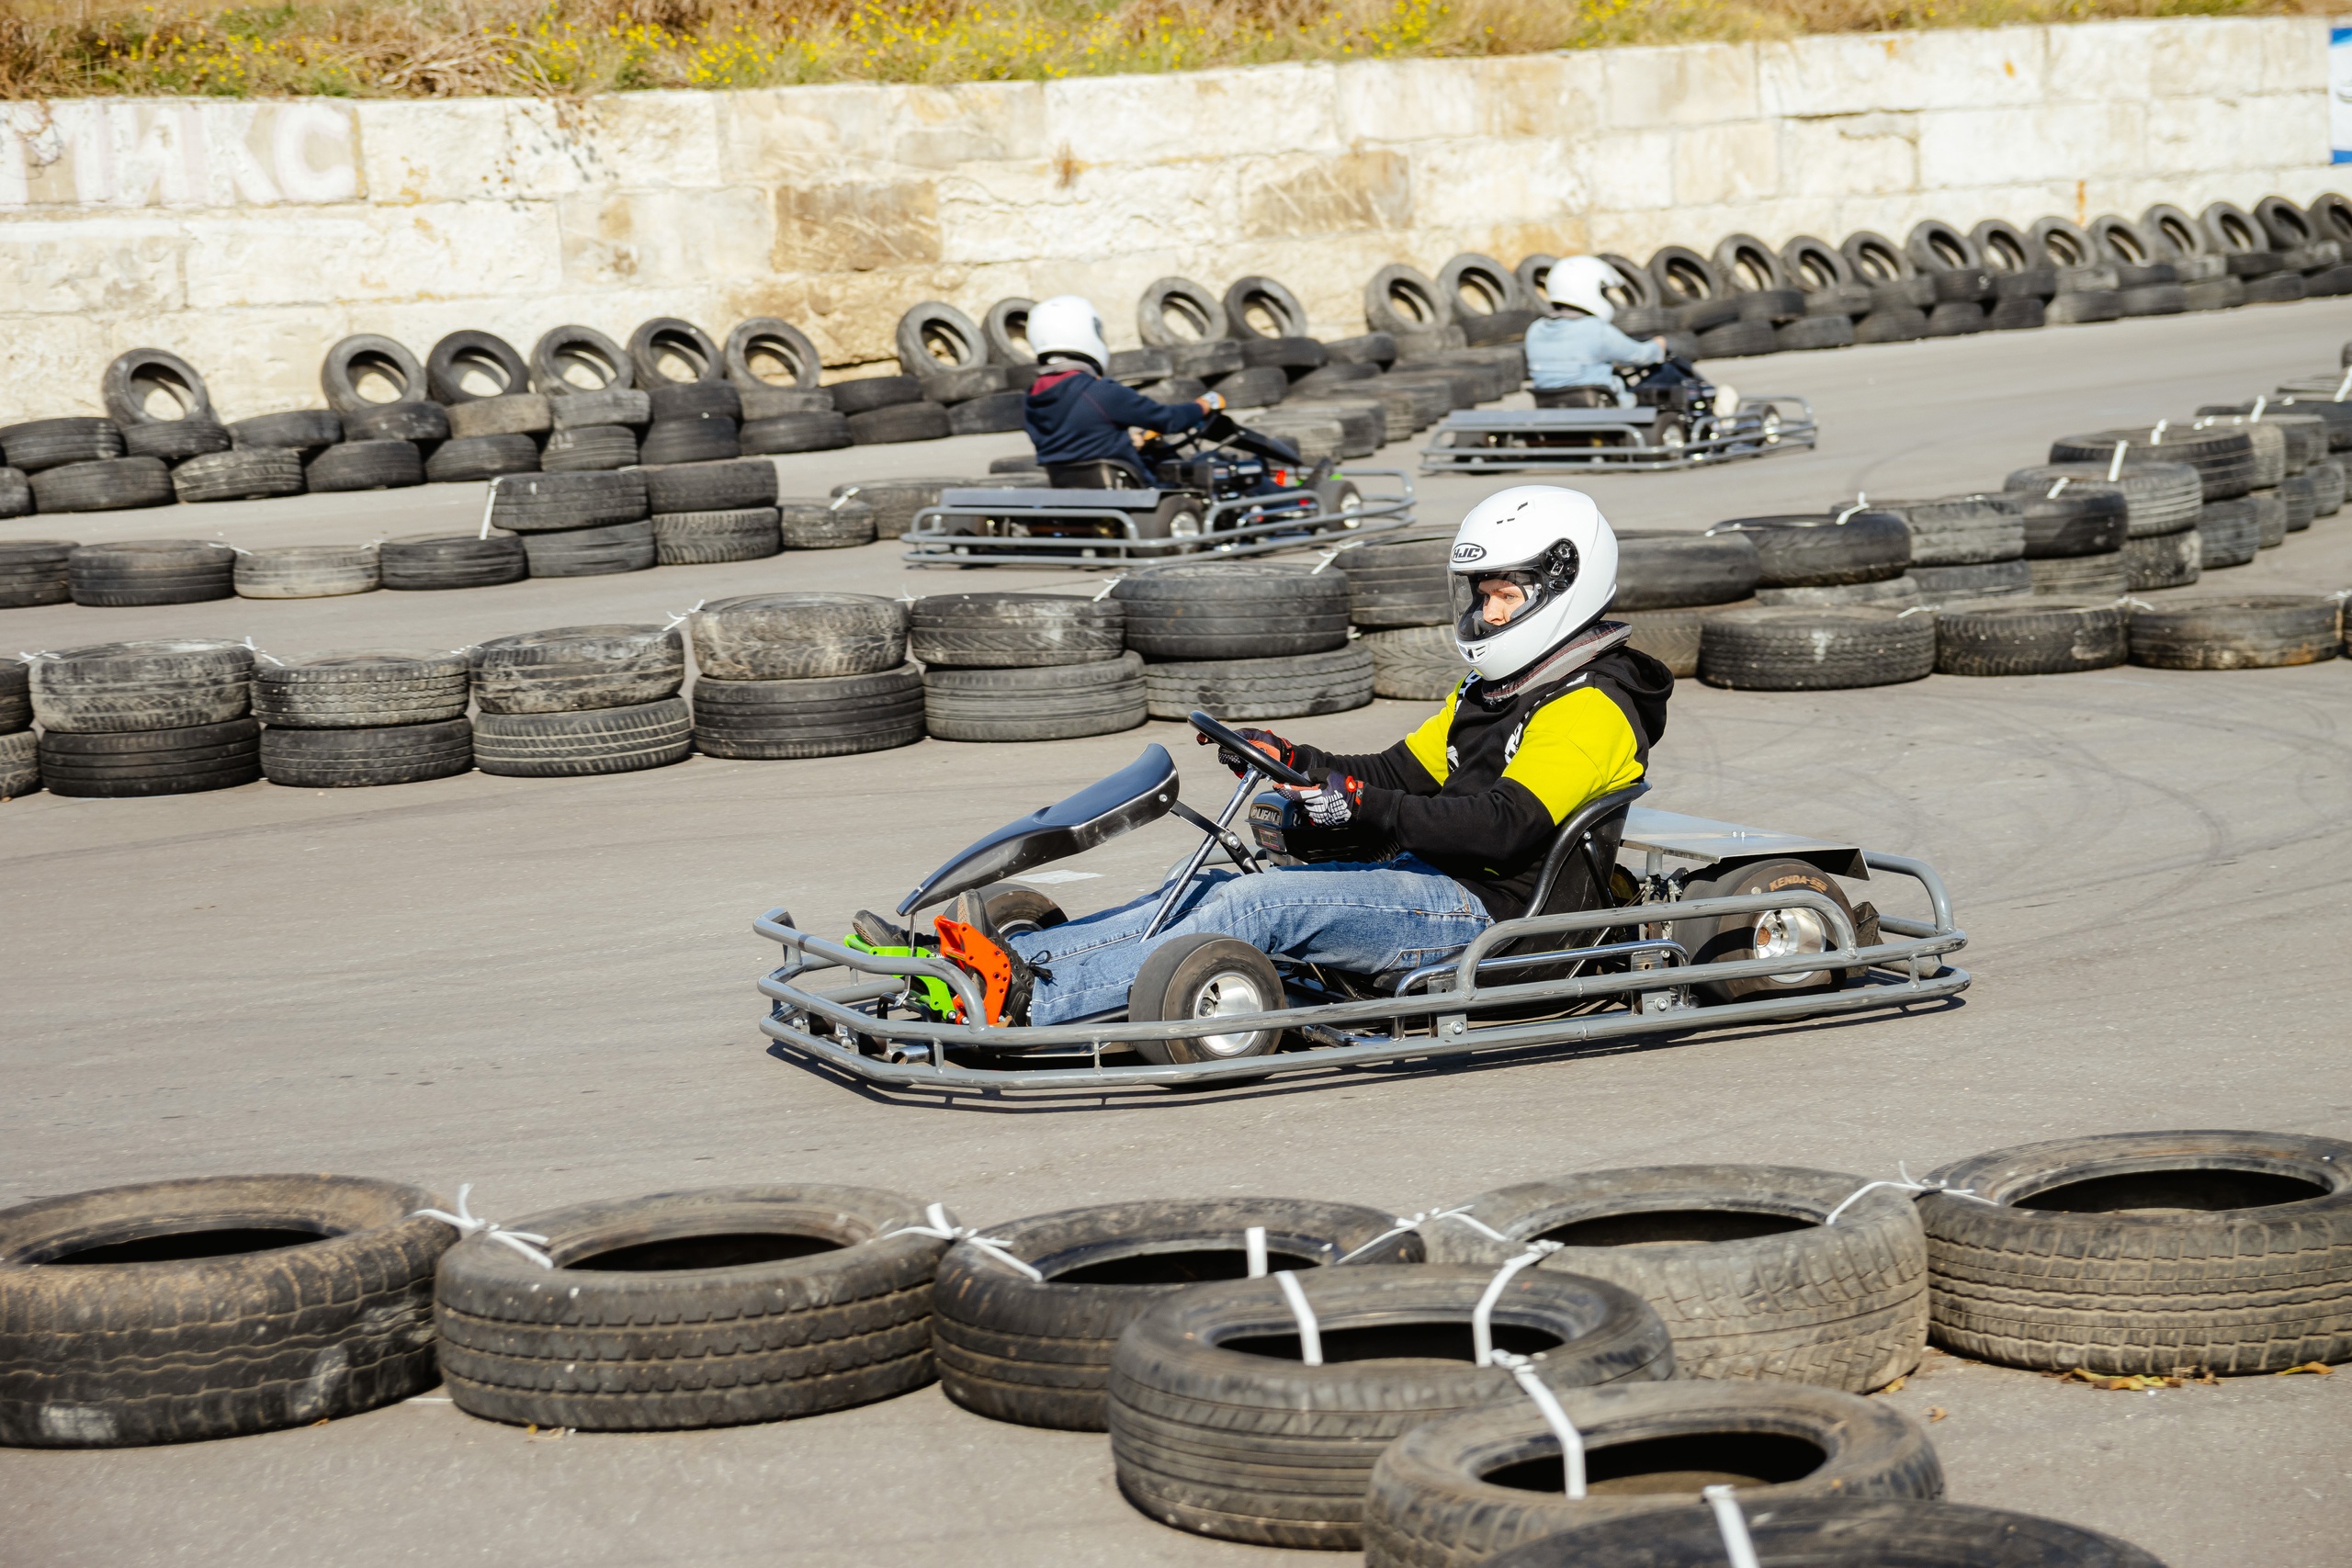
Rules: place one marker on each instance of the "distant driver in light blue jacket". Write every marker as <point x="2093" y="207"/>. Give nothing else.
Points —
<point x="1572" y="354"/>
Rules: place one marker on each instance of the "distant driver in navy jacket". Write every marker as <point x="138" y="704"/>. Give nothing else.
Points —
<point x="1076" y="418"/>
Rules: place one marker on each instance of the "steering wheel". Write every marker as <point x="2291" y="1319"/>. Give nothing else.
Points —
<point x="1280" y="772"/>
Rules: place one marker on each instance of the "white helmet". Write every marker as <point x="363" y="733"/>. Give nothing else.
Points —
<point x="1576" y="281"/>
<point x="1557" y="548"/>
<point x="1069" y="323"/>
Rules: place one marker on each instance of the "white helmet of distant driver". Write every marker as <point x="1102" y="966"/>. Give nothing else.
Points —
<point x="1556" y="547"/>
<point x="1573" y="280"/>
<point x="1069" y="324"/>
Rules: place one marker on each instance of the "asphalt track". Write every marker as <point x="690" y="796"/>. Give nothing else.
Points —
<point x="543" y="987"/>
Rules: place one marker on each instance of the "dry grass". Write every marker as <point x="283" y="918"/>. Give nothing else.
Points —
<point x="451" y="48"/>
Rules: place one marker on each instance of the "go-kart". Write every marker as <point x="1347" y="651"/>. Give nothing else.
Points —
<point x="1223" y="489"/>
<point x="1757" y="927"/>
<point x="1678" y="419"/>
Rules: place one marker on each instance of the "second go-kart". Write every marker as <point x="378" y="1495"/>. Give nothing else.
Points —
<point x="1754" y="926"/>
<point x="1224" y="489"/>
<point x="1678" y="419"/>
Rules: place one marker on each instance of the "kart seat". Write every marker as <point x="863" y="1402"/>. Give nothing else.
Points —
<point x="1096" y="473"/>
<point x="1143" y="790"/>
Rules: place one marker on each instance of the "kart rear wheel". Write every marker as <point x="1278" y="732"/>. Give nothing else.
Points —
<point x="1340" y="503"/>
<point x="1016" y="910"/>
<point x="1732" y="937"/>
<point x="1205" y="976"/>
<point x="1176" y="517"/>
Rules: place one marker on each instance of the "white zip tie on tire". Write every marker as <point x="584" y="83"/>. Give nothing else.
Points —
<point x="1254" y="1241"/>
<point x="465" y="1223"/>
<point x="844" y="499"/>
<point x="1482" y="1316"/>
<point x="1907" y="1185"/>
<point x="2064" y="480"/>
<point x="678" y="617"/>
<point x="1407" y="1223"/>
<point x="1840" y="521"/>
<point x="941" y="1228"/>
<point x="488" y="505"/>
<point x="2343" y="387"/>
<point x="1328" y="556"/>
<point x="1310" y="1333"/>
<point x="2156" y="436"/>
<point x="1522" y="1372"/>
<point x="2115" y="464"/>
<point x="2259" y="404"/>
<point x="1738" y="1550"/>
<point x="1106" y="590"/>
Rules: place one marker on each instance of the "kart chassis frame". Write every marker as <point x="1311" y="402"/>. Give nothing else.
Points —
<point x="1630" y="428"/>
<point x="1225" y="528"/>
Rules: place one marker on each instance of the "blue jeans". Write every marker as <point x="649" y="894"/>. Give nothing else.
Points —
<point x="1365" y="919"/>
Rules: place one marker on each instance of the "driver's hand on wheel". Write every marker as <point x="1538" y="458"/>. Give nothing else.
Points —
<point x="1333" y="802"/>
<point x="1265" y="740"/>
<point x="1214" y="402"/>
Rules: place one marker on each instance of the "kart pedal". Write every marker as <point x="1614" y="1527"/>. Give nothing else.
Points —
<point x="961" y="944"/>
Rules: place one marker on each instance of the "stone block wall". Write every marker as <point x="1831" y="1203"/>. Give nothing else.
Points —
<point x="249" y="236"/>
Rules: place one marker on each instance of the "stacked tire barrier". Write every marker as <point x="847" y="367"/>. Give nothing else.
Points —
<point x="1400" y="601"/>
<point x="581" y="700"/>
<point x="704" y="513"/>
<point x="356" y="719"/>
<point x="577" y="524"/>
<point x="1670" y="585"/>
<point x="1025" y="666"/>
<point x="788" y="675"/>
<point x="121" y="719"/>
<point x="1245" y="640"/>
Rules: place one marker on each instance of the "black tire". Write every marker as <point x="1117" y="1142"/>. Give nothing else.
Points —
<point x="1657" y="569"/>
<point x="701" y="538"/>
<point x="481" y="457"/>
<point x="306" y="571"/>
<point x="417" y="421"/>
<point x="2327" y="488"/>
<point x="576" y="744"/>
<point x="174" y="440"/>
<point x="818" y="432"/>
<point x="128" y="765"/>
<point x="1961" y="530"/>
<point x="1963" y="285"/>
<point x="714" y="487"/>
<point x="1833" y="1532"/>
<point x="707" y="438"/>
<point x="2213" y="294"/>
<point x="768" y="402"/>
<point x="1290" y="686"/>
<point x="1955" y="318"/>
<point x="2158" y="498"/>
<point x="588" y="448"/>
<point x="1735" y="339"/>
<point x="1401" y="582"/>
<point x="214" y="1307"/>
<point x="1887" y="593"/>
<point x="667" y="352"/>
<point x="362" y="690"/>
<point x="2248" y="632"/>
<point x="2018" y="315"/>
<point x="1808" y="550"/>
<point x="2081" y="577"/>
<point x="934" y="337"/>
<point x="1377" y="350"/>
<point x="871" y="392"/>
<point x="954" y="388"/>
<point x="993" y="412"/>
<point x="1815" y="331"/>
<point x="516" y="414"/>
<point x="1277" y="306"/>
<point x="42" y="443"/>
<point x="1673" y="638"/>
<point x="1222" y="356"/>
<point x="1294" y="356"/>
<point x="996" y="631"/>
<point x="1647" y="1446"/>
<point x="2222" y="456"/>
<point x="900" y="421"/>
<point x="20" y="764"/>
<point x="2007" y="249"/>
<point x="2165" y="560"/>
<point x="1038" y="1352"/>
<point x="1005" y="329"/>
<point x="1234" y="610"/>
<point x="1903" y="324"/>
<point x="347" y="759"/>
<point x="552" y="503"/>
<point x="2083" y="306"/>
<point x="1796" y="930"/>
<point x="830" y="715"/>
<point x="699" y="1309"/>
<point x="306" y="431"/>
<point x="1218" y="1428"/>
<point x="574" y="667"/>
<point x="150" y="571"/>
<point x="2030" y="636"/>
<point x="1736" y="1259"/>
<point x="1415" y="663"/>
<point x="799" y="637"/>
<point x="2154" y="300"/>
<point x="1056" y="702"/>
<point x="34" y="571"/>
<point x="895" y="501"/>
<point x="116" y="484"/>
<point x="763" y="348"/>
<point x="247" y="473"/>
<point x="1815" y="265"/>
<point x="422" y="562"/>
<point x="685" y="402"/>
<point x="468" y="365"/>
<point x="15" y="697"/>
<point x="574" y="361"/>
<point x="2228" y="534"/>
<point x="1257" y="387"/>
<point x="2080" y="520"/>
<point x="1851" y="300"/>
<point x="592" y="552"/>
<point x="846" y="523"/>
<point x="2147" y="1252"/>
<point x="363" y="465"/>
<point x="130" y="386"/>
<point x="1198" y="315"/>
<point x="1802" y="648"/>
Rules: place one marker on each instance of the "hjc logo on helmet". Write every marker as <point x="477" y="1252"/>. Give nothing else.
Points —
<point x="1465" y="553"/>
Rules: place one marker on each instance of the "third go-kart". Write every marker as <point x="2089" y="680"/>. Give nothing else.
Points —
<point x="1223" y="489"/>
<point x="1677" y="419"/>
<point x="1754" y="926"/>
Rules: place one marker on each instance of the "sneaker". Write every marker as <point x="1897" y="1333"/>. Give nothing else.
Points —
<point x="968" y="938"/>
<point x="875" y="931"/>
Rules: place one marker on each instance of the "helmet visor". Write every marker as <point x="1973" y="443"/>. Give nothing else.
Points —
<point x="1485" y="603"/>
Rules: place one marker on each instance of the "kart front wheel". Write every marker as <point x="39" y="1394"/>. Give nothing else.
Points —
<point x="1206" y="976"/>
<point x="1340" y="502"/>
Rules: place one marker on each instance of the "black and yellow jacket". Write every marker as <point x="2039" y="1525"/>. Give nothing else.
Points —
<point x="1478" y="789"/>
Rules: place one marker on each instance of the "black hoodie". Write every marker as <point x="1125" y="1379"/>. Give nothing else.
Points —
<point x="1479" y="790"/>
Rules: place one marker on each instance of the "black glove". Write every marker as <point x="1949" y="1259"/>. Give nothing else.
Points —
<point x="1336" y="802"/>
<point x="1282" y="750"/>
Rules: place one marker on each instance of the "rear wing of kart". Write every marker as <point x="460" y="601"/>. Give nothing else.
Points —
<point x="1621" y="438"/>
<point x="1479" y="1002"/>
<point x="1088" y="528"/>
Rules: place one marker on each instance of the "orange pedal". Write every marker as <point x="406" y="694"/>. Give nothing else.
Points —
<point x="960" y="944"/>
